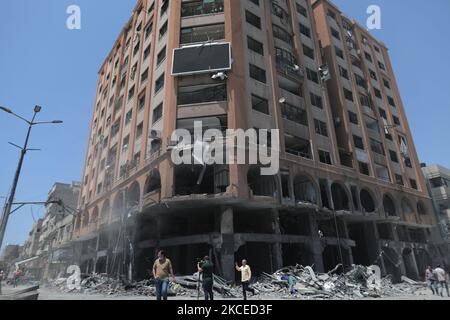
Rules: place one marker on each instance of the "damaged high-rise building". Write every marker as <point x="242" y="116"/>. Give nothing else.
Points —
<point x="349" y="188"/>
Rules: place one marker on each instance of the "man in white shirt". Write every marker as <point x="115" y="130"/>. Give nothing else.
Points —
<point x="441" y="277"/>
<point x="246" y="276"/>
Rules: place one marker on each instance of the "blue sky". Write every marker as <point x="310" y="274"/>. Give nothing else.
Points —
<point x="42" y="62"/>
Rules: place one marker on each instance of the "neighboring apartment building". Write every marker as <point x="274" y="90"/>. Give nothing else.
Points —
<point x="31" y="245"/>
<point x="57" y="228"/>
<point x="349" y="188"/>
<point x="438" y="181"/>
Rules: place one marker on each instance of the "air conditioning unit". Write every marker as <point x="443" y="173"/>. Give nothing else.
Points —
<point x="155" y="135"/>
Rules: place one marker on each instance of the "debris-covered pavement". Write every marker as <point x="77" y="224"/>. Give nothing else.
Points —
<point x="288" y="283"/>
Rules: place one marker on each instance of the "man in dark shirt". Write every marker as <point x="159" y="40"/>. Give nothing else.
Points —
<point x="206" y="268"/>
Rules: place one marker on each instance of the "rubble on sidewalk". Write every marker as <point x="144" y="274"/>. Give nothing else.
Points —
<point x="297" y="282"/>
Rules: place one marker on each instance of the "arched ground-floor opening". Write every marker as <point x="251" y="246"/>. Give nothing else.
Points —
<point x="332" y="258"/>
<point x="410" y="264"/>
<point x="392" y="264"/>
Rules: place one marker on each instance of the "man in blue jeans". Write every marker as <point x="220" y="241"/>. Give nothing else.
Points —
<point x="163" y="274"/>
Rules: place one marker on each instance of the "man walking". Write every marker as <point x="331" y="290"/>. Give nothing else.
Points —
<point x="163" y="274"/>
<point x="441" y="277"/>
<point x="246" y="276"/>
<point x="206" y="268"/>
<point x="430" y="279"/>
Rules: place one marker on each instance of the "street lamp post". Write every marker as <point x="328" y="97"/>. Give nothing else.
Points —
<point x="23" y="151"/>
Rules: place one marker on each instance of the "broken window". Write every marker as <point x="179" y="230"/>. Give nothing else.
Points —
<point x="367" y="201"/>
<point x="153" y="182"/>
<point x="389" y="206"/>
<point x="261" y="185"/>
<point x="304" y="190"/>
<point x="198" y="179"/>
<point x="407" y="207"/>
<point x="340" y="197"/>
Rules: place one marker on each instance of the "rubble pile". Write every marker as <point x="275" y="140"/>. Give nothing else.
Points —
<point x="360" y="282"/>
<point x="297" y="282"/>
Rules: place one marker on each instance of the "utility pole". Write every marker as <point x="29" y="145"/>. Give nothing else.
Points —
<point x="23" y="151"/>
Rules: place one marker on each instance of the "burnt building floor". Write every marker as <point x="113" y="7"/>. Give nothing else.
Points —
<point x="268" y="238"/>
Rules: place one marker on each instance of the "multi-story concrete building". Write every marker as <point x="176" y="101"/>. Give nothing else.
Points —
<point x="349" y="188"/>
<point x="57" y="226"/>
<point x="438" y="181"/>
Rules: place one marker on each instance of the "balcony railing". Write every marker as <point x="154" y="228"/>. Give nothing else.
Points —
<point x="201" y="8"/>
<point x="217" y="93"/>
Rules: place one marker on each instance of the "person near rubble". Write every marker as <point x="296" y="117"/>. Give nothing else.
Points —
<point x="246" y="276"/>
<point x="206" y="268"/>
<point x="163" y="274"/>
<point x="431" y="279"/>
<point x="441" y="277"/>
<point x="17" y="275"/>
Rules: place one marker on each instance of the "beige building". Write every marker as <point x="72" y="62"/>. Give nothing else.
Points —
<point x="349" y="188"/>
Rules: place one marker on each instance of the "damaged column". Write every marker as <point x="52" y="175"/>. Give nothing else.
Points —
<point x="227" y="250"/>
<point x="276" y="247"/>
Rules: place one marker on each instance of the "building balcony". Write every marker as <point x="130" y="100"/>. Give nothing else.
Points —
<point x="288" y="69"/>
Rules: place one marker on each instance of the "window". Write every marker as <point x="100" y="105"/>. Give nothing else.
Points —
<point x="202" y="94"/>
<point x="163" y="30"/>
<point x="159" y="83"/>
<point x="377" y="147"/>
<point x="308" y="52"/>
<point x="136" y="49"/>
<point x="302" y="10"/>
<point x="260" y="104"/>
<point x="255" y="46"/>
<point x="253" y="19"/>
<point x="294" y="114"/>
<point x="148" y="29"/>
<point x="339" y="52"/>
<point x="373" y="75"/>
<point x="312" y="75"/>
<point x="393" y="155"/>
<point x="144" y="76"/>
<point x="305" y="30"/>
<point x="128" y="117"/>
<point x="199" y="7"/>
<point x="157" y="113"/>
<point x="115" y="128"/>
<point x="364" y="168"/>
<point x="141" y="102"/>
<point x="202" y="33"/>
<point x="125" y="143"/>
<point x="378" y="93"/>
<point x="413" y="184"/>
<point x="281" y="34"/>
<point x="382" y="113"/>
<point x="335" y="33"/>
<point x="131" y="93"/>
<point x="321" y="128"/>
<point x="396" y="120"/>
<point x="348" y="94"/>
<point x="161" y="56"/>
<point x="353" y="117"/>
<point x="316" y="100"/>
<point x="368" y="56"/>
<point x="391" y="101"/>
<point x="344" y="73"/>
<point x="257" y="73"/>
<point x="255" y="2"/>
<point x="358" y="141"/>
<point x="365" y="100"/>
<point x="325" y="157"/>
<point x="381" y="65"/>
<point x="399" y="180"/>
<point x="360" y="81"/>
<point x="147" y="51"/>
<point x="139" y="130"/>
<point x="386" y="83"/>
<point x="164" y="7"/>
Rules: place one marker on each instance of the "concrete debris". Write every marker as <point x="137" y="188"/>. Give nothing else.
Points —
<point x="291" y="282"/>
